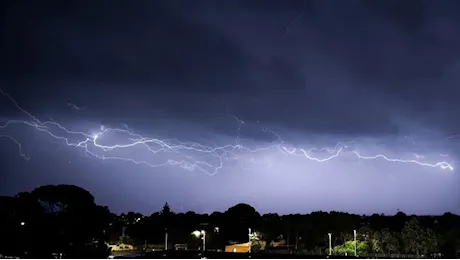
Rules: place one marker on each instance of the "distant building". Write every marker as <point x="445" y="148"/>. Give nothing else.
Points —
<point x="238" y="248"/>
<point x="180" y="246"/>
<point x="121" y="247"/>
<point x="280" y="243"/>
<point x="158" y="246"/>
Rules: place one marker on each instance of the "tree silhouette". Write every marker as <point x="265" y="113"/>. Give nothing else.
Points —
<point x="166" y="211"/>
<point x="413" y="237"/>
<point x="65" y="218"/>
<point x="56" y="218"/>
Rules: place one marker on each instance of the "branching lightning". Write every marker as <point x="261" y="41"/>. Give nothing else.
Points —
<point x="187" y="155"/>
<point x="75" y="107"/>
<point x="453" y="136"/>
<point x="19" y="145"/>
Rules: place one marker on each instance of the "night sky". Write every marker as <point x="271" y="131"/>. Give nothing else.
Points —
<point x="206" y="104"/>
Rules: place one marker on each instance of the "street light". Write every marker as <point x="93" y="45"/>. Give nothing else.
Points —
<point x="249" y="236"/>
<point x="23" y="223"/>
<point x="203" y="233"/>
<point x="166" y="239"/>
<point x="198" y="234"/>
<point x="330" y="246"/>
<point x="354" y="238"/>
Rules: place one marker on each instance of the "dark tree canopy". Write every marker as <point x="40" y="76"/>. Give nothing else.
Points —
<point x="65" y="218"/>
<point x="238" y="220"/>
<point x="243" y="214"/>
<point x="60" y="198"/>
<point x="54" y="218"/>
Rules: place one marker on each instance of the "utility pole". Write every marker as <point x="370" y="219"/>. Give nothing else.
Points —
<point x="204" y="239"/>
<point x="288" y="238"/>
<point x="166" y="239"/>
<point x="354" y="238"/>
<point x="330" y="246"/>
<point x="249" y="236"/>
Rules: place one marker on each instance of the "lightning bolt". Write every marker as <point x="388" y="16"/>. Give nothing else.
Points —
<point x="453" y="136"/>
<point x="238" y="131"/>
<point x="18" y="144"/>
<point x="190" y="153"/>
<point x="419" y="156"/>
<point x="75" y="107"/>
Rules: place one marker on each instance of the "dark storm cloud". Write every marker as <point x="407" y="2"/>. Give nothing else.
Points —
<point x="388" y="57"/>
<point x="317" y="72"/>
<point x="339" y="55"/>
<point x="113" y="42"/>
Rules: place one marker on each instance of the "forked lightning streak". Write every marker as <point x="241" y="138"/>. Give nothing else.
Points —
<point x="192" y="155"/>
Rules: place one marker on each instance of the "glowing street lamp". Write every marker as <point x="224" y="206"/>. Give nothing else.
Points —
<point x="202" y="234"/>
<point x="23" y="223"/>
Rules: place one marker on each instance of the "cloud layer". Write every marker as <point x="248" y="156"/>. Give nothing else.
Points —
<point x="316" y="72"/>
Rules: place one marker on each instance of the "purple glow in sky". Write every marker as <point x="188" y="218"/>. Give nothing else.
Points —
<point x="354" y="112"/>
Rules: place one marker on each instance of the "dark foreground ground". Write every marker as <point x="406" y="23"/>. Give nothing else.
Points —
<point x="223" y="255"/>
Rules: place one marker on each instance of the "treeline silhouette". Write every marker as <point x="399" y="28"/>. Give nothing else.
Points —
<point x="65" y="219"/>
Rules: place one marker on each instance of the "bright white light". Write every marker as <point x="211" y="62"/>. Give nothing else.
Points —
<point x="23" y="223"/>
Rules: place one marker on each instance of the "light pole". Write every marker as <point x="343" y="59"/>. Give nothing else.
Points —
<point x="330" y="240"/>
<point x="354" y="238"/>
<point x="23" y="236"/>
<point x="249" y="236"/>
<point x="166" y="239"/>
<point x="203" y="233"/>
